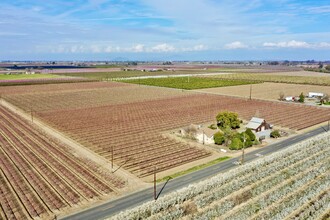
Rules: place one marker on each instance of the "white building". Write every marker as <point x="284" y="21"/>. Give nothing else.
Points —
<point x="315" y="94"/>
<point x="205" y="135"/>
<point x="290" y="98"/>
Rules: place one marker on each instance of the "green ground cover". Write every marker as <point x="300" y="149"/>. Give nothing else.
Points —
<point x="195" y="168"/>
<point x="188" y="82"/>
<point x="26" y="76"/>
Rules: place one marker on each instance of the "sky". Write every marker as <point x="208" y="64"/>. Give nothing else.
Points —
<point x="164" y="30"/>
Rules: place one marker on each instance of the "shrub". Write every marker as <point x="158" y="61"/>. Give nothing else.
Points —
<point x="250" y="134"/>
<point x="301" y="97"/>
<point x="248" y="142"/>
<point x="212" y="126"/>
<point x="236" y="144"/>
<point x="275" y="134"/>
<point x="219" y="138"/>
<point x="256" y="142"/>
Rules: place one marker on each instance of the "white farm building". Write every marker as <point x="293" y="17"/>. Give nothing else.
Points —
<point x="315" y="94"/>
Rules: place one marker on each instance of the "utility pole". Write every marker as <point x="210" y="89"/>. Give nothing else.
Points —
<point x="328" y="125"/>
<point x="111" y="157"/>
<point x="155" y="193"/>
<point x="242" y="162"/>
<point x="203" y="138"/>
<point x="250" y="91"/>
<point x="31" y="115"/>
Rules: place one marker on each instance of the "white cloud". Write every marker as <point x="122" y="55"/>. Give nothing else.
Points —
<point x="138" y="48"/>
<point x="319" y="10"/>
<point x="324" y="45"/>
<point x="296" y="44"/>
<point x="199" y="47"/>
<point x="236" y="45"/>
<point x="93" y="47"/>
<point x="162" y="48"/>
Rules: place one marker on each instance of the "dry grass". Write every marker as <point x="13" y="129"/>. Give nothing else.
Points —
<point x="308" y="80"/>
<point x="269" y="91"/>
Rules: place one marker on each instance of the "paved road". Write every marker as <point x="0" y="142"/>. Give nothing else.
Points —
<point x="113" y="207"/>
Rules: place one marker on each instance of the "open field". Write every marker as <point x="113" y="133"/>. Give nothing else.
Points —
<point x="188" y="82"/>
<point x="130" y="119"/>
<point x="41" y="177"/>
<point x="269" y="91"/>
<point x="51" y="88"/>
<point x="84" y="95"/>
<point x="309" y="80"/>
<point x="113" y="73"/>
<point x="41" y="81"/>
<point x="124" y="74"/>
<point x="301" y="73"/>
<point x="291" y="184"/>
<point x="26" y="76"/>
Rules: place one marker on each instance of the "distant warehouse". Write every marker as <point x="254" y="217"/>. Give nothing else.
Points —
<point x="315" y="94"/>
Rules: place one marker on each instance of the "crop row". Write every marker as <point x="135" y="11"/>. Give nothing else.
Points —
<point x="126" y="122"/>
<point x="39" y="176"/>
<point x="188" y="82"/>
<point x="281" y="193"/>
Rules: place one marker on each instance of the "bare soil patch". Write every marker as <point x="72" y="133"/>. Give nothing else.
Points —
<point x="268" y="91"/>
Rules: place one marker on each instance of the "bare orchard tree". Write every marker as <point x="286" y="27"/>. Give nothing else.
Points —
<point x="324" y="99"/>
<point x="281" y="96"/>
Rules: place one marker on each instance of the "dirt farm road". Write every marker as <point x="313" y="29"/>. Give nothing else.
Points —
<point x="112" y="207"/>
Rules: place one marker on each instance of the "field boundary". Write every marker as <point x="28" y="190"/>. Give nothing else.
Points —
<point x="132" y="181"/>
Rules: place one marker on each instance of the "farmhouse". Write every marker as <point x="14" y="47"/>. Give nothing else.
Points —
<point x="258" y="124"/>
<point x="205" y="135"/>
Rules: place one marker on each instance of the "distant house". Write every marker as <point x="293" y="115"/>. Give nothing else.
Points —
<point x="205" y="135"/>
<point x="290" y="98"/>
<point x="315" y="94"/>
<point x="199" y="133"/>
<point x="258" y="124"/>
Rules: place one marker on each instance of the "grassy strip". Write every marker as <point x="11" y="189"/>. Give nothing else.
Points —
<point x="126" y="74"/>
<point x="134" y="73"/>
<point x="27" y="76"/>
<point x="42" y="82"/>
<point x="189" y="82"/>
<point x="193" y="169"/>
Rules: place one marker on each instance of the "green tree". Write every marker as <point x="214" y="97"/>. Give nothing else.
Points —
<point x="228" y="119"/>
<point x="275" y="134"/>
<point x="228" y="134"/>
<point x="219" y="138"/>
<point x="327" y="67"/>
<point x="301" y="97"/>
<point x="245" y="139"/>
<point x="236" y="144"/>
<point x="250" y="134"/>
